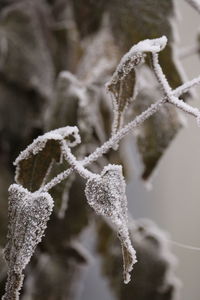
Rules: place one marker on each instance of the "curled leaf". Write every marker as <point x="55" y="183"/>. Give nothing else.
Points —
<point x="122" y="85"/>
<point x="28" y="214"/>
<point x="35" y="161"/>
<point x="106" y="195"/>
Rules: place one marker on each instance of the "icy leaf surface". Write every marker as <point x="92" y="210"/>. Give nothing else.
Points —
<point x="122" y="84"/>
<point x="28" y="214"/>
<point x="106" y="195"/>
<point x="35" y="161"/>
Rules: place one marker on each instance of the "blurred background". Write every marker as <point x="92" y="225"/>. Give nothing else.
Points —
<point x="77" y="259"/>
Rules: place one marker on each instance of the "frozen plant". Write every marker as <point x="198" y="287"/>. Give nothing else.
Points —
<point x="30" y="209"/>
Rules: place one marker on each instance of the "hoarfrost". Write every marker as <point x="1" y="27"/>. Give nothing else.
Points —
<point x="106" y="195"/>
<point x="28" y="214"/>
<point x="57" y="135"/>
<point x="122" y="85"/>
<point x="148" y="45"/>
<point x="168" y="90"/>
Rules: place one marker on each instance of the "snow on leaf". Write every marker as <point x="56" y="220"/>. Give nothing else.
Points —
<point x="106" y="195"/>
<point x="35" y="161"/>
<point x="28" y="214"/>
<point x="122" y="85"/>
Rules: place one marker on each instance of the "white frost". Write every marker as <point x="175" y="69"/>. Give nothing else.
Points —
<point x="39" y="143"/>
<point x="107" y="196"/>
<point x="153" y="45"/>
<point x="28" y="214"/>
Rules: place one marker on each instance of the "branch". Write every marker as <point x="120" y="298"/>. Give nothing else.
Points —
<point x="123" y="132"/>
<point x="168" y="91"/>
<point x="75" y="164"/>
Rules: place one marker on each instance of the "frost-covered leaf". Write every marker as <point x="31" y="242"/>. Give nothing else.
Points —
<point x="136" y="20"/>
<point x="106" y="195"/>
<point x="28" y="214"/>
<point x="24" y="47"/>
<point x="122" y="85"/>
<point x="122" y="88"/>
<point x="34" y="162"/>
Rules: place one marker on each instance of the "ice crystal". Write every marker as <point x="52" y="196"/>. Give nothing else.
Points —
<point x="106" y="195"/>
<point x="28" y="214"/>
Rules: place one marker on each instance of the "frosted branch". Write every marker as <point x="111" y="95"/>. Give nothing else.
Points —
<point x="75" y="164"/>
<point x="168" y="91"/>
<point x="123" y="132"/>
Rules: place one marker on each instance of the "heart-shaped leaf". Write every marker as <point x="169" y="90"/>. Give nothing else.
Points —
<point x="106" y="195"/>
<point x="28" y="214"/>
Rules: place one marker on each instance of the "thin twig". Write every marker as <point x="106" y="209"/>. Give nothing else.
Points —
<point x="124" y="131"/>
<point x="168" y="91"/>
<point x="75" y="164"/>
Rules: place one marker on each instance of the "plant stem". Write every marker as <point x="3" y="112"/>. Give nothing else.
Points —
<point x="123" y="132"/>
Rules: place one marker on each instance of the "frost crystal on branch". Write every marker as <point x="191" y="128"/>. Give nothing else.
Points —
<point x="168" y="91"/>
<point x="107" y="196"/>
<point x="28" y="214"/>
